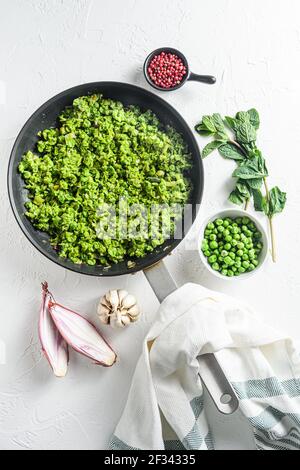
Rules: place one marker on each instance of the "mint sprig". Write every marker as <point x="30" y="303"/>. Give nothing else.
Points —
<point x="235" y="139"/>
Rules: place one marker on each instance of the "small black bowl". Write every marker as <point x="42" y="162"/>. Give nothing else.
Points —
<point x="209" y="79"/>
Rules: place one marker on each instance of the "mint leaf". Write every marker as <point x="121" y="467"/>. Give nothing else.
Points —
<point x="202" y="130"/>
<point x="277" y="200"/>
<point x="243" y="189"/>
<point x="236" y="198"/>
<point x="255" y="183"/>
<point x="254" y="118"/>
<point x="243" y="117"/>
<point x="247" y="172"/>
<point x="209" y="148"/>
<point x="251" y="169"/>
<point x="231" y="123"/>
<point x="230" y="151"/>
<point x="209" y="124"/>
<point x="260" y="202"/>
<point x="245" y="133"/>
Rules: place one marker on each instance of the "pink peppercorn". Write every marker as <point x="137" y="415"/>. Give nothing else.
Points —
<point x="166" y="70"/>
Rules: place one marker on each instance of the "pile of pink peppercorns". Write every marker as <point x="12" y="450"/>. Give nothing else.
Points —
<point x="166" y="70"/>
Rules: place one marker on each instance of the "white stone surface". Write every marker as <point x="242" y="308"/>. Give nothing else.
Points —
<point x="253" y="48"/>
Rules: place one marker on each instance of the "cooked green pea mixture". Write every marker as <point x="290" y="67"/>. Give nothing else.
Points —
<point x="102" y="151"/>
<point x="232" y="246"/>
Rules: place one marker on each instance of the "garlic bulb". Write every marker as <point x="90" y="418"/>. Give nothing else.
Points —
<point x="118" y="308"/>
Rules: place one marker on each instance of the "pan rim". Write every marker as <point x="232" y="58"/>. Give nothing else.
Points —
<point x="143" y="263"/>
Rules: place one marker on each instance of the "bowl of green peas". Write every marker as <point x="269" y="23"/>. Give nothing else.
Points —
<point x="233" y="244"/>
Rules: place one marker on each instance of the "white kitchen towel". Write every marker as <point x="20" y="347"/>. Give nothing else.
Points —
<point x="262" y="365"/>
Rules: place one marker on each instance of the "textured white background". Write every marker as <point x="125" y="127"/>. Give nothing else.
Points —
<point x="253" y="48"/>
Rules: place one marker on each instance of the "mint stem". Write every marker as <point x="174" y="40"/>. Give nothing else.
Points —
<point x="273" y="245"/>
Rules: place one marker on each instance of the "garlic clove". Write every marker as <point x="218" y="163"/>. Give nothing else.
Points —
<point x="133" y="311"/>
<point x="103" y="309"/>
<point x="116" y="321"/>
<point x="122" y="293"/>
<point x="104" y="319"/>
<point x="134" y="319"/>
<point x="128" y="301"/>
<point x="125" y="320"/>
<point x="113" y="298"/>
<point x="105" y="302"/>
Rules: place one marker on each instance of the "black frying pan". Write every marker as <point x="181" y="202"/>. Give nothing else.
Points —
<point x="46" y="116"/>
<point x="156" y="273"/>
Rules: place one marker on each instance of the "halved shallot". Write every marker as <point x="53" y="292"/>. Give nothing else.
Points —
<point x="79" y="333"/>
<point x="53" y="344"/>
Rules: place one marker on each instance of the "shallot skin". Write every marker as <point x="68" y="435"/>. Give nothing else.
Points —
<point x="53" y="344"/>
<point x="82" y="335"/>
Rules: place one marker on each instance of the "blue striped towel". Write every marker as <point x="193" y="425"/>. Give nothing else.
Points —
<point x="165" y="408"/>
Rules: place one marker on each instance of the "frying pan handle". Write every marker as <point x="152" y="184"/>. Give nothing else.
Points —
<point x="209" y="79"/>
<point x="211" y="373"/>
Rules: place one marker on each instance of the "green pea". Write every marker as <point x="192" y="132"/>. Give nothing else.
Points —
<point x="235" y="230"/>
<point x="213" y="236"/>
<point x="237" y="236"/>
<point x="240" y="252"/>
<point x="227" y="246"/>
<point x="225" y="223"/>
<point x="238" y="258"/>
<point x="255" y="262"/>
<point x="207" y="253"/>
<point x="230" y="273"/>
<point x="242" y="270"/>
<point x="228" y="260"/>
<point x="244" y="228"/>
<point x="238" y="264"/>
<point x="213" y="244"/>
<point x="246" y="264"/>
<point x="234" y="268"/>
<point x="257" y="234"/>
<point x="219" y="222"/>
<point x="224" y="253"/>
<point x="245" y="256"/>
<point x="226" y="232"/>
<point x="245" y="220"/>
<point x="238" y="220"/>
<point x="221" y="228"/>
<point x="224" y="272"/>
<point x="251" y="254"/>
<point x="228" y="238"/>
<point x="212" y="259"/>
<point x="210" y="226"/>
<point x="240" y="245"/>
<point x="234" y="242"/>
<point x="207" y="232"/>
<point x="251" y="267"/>
<point x="216" y="266"/>
<point x="232" y="255"/>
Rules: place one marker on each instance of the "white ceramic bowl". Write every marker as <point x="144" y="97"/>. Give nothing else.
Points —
<point x="234" y="213"/>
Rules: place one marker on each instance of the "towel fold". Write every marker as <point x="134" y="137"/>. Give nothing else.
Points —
<point x="262" y="365"/>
